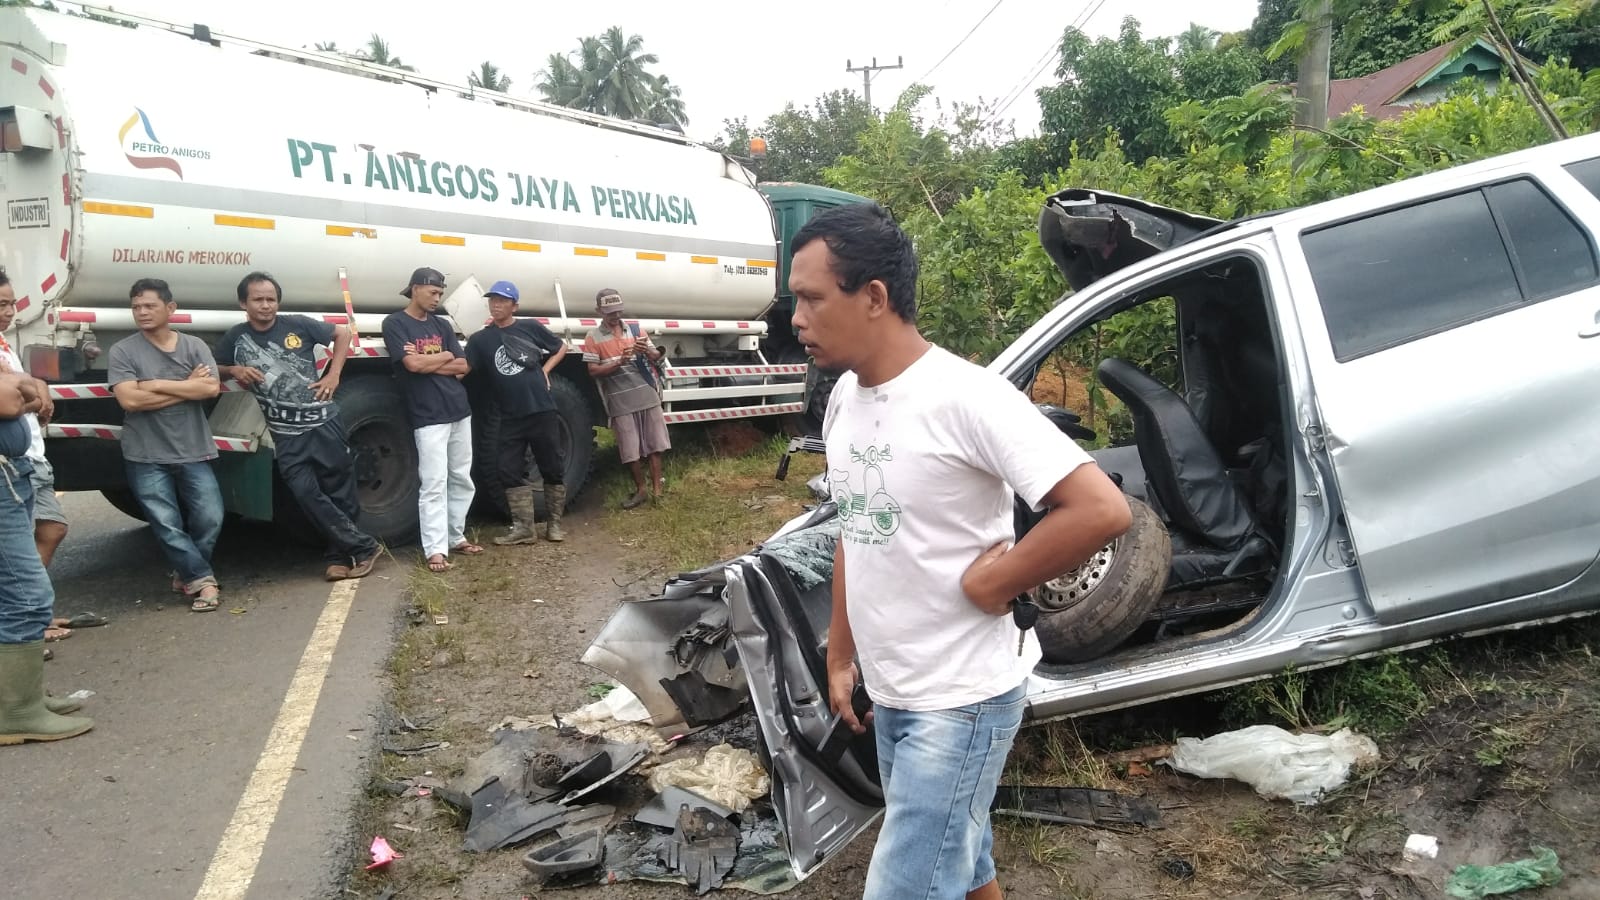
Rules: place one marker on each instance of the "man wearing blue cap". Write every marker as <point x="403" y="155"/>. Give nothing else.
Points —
<point x="514" y="358"/>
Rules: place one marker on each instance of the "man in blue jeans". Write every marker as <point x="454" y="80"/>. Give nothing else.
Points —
<point x="26" y="597"/>
<point x="162" y="380"/>
<point x="925" y="575"/>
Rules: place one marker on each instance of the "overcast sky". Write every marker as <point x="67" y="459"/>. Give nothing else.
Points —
<point x="731" y="59"/>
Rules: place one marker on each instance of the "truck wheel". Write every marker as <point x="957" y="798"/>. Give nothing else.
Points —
<point x="386" y="456"/>
<point x="1092" y="609"/>
<point x="819" y="387"/>
<point x="577" y="446"/>
<point x="124" y="501"/>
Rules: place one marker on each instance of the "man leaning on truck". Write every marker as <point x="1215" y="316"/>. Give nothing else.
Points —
<point x="162" y="379"/>
<point x="275" y="357"/>
<point x="429" y="365"/>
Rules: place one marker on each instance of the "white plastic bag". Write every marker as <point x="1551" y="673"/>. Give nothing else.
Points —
<point x="1278" y="764"/>
<point x="727" y="775"/>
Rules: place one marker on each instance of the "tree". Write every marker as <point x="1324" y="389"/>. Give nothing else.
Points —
<point x="327" y="47"/>
<point x="1197" y="39"/>
<point x="608" y="74"/>
<point x="913" y="169"/>
<point x="488" y="77"/>
<point x="802" y="141"/>
<point x="377" y="52"/>
<point x="1126" y="84"/>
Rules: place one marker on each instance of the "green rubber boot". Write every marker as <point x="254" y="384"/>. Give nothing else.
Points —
<point x="555" y="503"/>
<point x="520" y="501"/>
<point x="23" y="714"/>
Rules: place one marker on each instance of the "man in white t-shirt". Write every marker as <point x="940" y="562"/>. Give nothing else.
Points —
<point x="925" y="452"/>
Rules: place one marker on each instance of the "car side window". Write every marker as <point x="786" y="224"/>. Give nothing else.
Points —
<point x="1407" y="273"/>
<point x="1587" y="171"/>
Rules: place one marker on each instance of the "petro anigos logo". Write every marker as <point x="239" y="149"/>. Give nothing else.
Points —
<point x="145" y="150"/>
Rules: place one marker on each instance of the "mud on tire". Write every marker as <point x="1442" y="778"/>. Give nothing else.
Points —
<point x="1106" y="599"/>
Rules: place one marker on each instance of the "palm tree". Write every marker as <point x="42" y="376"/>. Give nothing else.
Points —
<point x="667" y="105"/>
<point x="488" y="77"/>
<point x="377" y="52"/>
<point x="327" y="46"/>
<point x="607" y="75"/>
<point x="1197" y="39"/>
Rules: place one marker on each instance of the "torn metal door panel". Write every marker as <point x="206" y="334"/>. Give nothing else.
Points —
<point x="822" y="806"/>
<point x="648" y="643"/>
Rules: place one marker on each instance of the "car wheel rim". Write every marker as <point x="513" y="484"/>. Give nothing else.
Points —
<point x="1070" y="589"/>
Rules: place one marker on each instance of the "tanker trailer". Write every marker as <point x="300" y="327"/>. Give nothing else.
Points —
<point x="179" y="153"/>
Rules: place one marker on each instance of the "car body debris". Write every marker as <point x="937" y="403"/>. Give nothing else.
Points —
<point x="1075" y="806"/>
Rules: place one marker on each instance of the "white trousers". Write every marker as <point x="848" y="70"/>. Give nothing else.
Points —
<point x="444" y="464"/>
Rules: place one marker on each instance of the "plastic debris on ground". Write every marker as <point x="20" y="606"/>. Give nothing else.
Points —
<point x="1278" y="764"/>
<point x="1472" y="882"/>
<point x="618" y="716"/>
<point x="1420" y="846"/>
<point x="1075" y="806"/>
<point x="725" y="774"/>
<point x="382" y="853"/>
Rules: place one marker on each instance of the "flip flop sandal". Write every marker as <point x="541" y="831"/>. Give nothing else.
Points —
<point x="205" y="604"/>
<point x="363" y="568"/>
<point x="61" y="634"/>
<point x="336" y="573"/>
<point x="86" y="620"/>
<point x="467" y="548"/>
<point x="438" y="563"/>
<point x="635" y="501"/>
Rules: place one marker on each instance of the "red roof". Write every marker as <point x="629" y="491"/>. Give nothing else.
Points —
<point x="1376" y="92"/>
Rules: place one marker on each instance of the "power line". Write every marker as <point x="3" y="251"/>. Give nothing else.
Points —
<point x="1050" y="55"/>
<point x="962" y="41"/>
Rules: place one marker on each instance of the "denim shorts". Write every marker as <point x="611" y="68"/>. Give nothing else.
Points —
<point x="939" y="771"/>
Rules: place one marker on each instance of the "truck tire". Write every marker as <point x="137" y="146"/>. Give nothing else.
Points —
<point x="577" y="446"/>
<point x="1100" y="603"/>
<point x="374" y="417"/>
<point x="125" y="502"/>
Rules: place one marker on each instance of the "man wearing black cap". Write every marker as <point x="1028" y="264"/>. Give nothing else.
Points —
<point x="513" y="360"/>
<point x="429" y="364"/>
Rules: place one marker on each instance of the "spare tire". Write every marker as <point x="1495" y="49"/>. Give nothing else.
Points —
<point x="1087" y="612"/>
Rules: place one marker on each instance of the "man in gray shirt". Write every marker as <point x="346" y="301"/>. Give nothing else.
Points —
<point x="162" y="379"/>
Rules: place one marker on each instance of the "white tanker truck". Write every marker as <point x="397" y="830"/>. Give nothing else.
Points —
<point x="178" y="153"/>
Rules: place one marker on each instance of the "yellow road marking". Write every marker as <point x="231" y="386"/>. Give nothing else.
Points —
<point x="119" y="209"/>
<point x="244" y="221"/>
<point x="233" y="866"/>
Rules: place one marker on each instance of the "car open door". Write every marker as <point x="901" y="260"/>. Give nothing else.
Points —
<point x="825" y="787"/>
<point x="1090" y="233"/>
<point x="1450" y="354"/>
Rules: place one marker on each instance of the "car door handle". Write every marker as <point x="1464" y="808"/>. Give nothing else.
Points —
<point x="1591" y="330"/>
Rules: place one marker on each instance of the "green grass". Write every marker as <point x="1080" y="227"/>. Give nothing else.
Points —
<point x="715" y="506"/>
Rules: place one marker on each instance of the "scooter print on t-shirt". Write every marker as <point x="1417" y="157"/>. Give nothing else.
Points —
<point x="870" y="515"/>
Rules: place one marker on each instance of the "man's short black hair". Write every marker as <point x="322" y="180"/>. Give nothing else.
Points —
<point x="4" y="278"/>
<point x="253" y="278"/>
<point x="867" y="246"/>
<point x="151" y="284"/>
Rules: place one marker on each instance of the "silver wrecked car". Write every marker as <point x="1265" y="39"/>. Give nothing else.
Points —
<point x="1381" y="433"/>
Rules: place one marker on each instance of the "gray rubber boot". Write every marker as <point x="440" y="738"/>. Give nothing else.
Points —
<point x="61" y="705"/>
<point x="555" y="503"/>
<point x="23" y="715"/>
<point x="520" y="500"/>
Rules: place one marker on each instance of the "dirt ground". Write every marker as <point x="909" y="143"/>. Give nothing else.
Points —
<point x="1506" y="759"/>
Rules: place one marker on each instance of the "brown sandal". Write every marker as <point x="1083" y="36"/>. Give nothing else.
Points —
<point x="363" y="567"/>
<point x="336" y="572"/>
<point x="467" y="548"/>
<point x="438" y="563"/>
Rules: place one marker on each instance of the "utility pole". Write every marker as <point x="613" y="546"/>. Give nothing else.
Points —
<point x="868" y="71"/>
<point x="1315" y="62"/>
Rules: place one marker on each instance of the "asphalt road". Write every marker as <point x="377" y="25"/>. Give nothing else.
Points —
<point x="225" y="756"/>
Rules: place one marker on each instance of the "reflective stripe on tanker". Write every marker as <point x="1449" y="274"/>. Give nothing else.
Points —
<point x="126" y="189"/>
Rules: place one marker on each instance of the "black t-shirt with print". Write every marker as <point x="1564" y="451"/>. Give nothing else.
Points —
<point x="430" y="399"/>
<point x="286" y="355"/>
<point x="510" y="361"/>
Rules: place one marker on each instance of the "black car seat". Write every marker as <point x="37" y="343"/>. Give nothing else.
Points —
<point x="1214" y="530"/>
